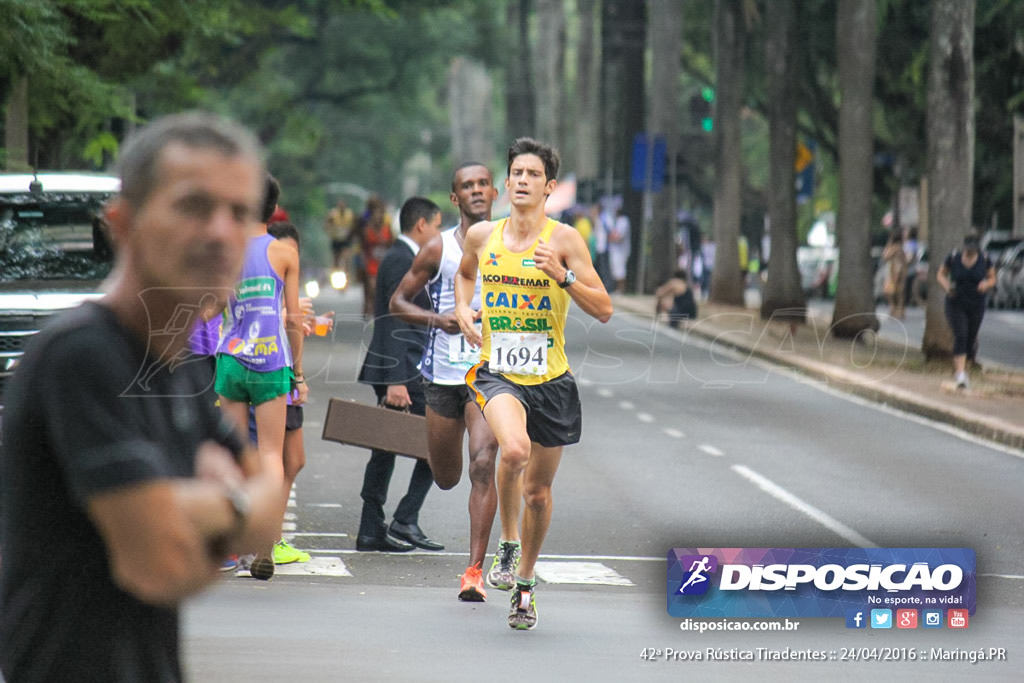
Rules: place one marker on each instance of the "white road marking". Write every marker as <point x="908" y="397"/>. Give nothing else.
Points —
<point x="1005" y="576"/>
<point x="314" y="424"/>
<point x="605" y="393"/>
<point x="674" y="433"/>
<point x="323" y="505"/>
<point x="584" y="382"/>
<point x="830" y="523"/>
<point x="317" y="566"/>
<point x="287" y="526"/>
<point x="626" y="405"/>
<point x="290" y="517"/>
<point x="325" y="534"/>
<point x="430" y="553"/>
<point x="591" y="573"/>
<point x="645" y="417"/>
<point x="710" y="450"/>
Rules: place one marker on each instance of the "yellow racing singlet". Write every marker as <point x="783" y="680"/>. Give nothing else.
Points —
<point x="523" y="312"/>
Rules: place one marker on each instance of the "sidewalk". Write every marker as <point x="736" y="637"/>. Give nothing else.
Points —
<point x="876" y="369"/>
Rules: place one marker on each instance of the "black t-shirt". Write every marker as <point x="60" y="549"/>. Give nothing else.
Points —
<point x="966" y="280"/>
<point x="84" y="414"/>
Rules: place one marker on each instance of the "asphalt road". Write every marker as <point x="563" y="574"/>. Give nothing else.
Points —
<point x="683" y="446"/>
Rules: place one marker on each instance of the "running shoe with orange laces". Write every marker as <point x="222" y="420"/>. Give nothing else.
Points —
<point x="472" y="588"/>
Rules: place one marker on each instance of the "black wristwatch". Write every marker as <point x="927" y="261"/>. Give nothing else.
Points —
<point x="570" y="277"/>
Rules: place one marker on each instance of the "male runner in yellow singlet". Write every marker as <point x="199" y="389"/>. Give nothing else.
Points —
<point x="530" y="267"/>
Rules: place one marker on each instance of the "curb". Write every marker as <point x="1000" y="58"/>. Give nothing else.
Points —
<point x="983" y="426"/>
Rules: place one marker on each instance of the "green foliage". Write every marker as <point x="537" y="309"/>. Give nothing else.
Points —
<point x="96" y="149"/>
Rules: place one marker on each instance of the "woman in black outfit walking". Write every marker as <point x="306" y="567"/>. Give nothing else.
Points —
<point x="966" y="275"/>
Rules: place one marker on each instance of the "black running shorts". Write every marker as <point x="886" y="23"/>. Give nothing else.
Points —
<point x="553" y="413"/>
<point x="448" y="400"/>
<point x="293" y="418"/>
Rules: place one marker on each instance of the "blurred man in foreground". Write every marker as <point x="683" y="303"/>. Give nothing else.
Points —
<point x="118" y="499"/>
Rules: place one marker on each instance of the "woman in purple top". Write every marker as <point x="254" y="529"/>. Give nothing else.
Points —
<point x="259" y="357"/>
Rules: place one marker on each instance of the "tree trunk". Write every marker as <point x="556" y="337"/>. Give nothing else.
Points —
<point x="549" y="69"/>
<point x="950" y="122"/>
<point x="665" y="24"/>
<point x="634" y="35"/>
<point x="519" y="111"/>
<point x="16" y="126"/>
<point x="586" y="100"/>
<point x="783" y="297"/>
<point x="469" y="97"/>
<point x="727" y="280"/>
<point x="855" y="47"/>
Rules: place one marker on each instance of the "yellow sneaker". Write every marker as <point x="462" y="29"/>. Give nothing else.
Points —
<point x="284" y="553"/>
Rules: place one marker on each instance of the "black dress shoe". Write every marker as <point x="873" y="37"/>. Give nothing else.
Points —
<point x="384" y="543"/>
<point x="412" y="533"/>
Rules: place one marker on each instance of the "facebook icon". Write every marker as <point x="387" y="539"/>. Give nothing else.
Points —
<point x="856" y="619"/>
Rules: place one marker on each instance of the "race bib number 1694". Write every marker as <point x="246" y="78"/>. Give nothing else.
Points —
<point x="519" y="354"/>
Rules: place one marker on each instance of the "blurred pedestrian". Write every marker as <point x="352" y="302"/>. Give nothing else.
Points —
<point x="604" y="220"/>
<point x="675" y="297"/>
<point x="618" y="249"/>
<point x="895" y="257"/>
<point x="339" y="226"/>
<point x="374" y="240"/>
<point x="707" y="258"/>
<point x="912" y="249"/>
<point x="965" y="275"/>
<point x="120" y="501"/>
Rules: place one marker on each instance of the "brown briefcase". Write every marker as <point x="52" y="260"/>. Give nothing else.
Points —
<point x="358" y="424"/>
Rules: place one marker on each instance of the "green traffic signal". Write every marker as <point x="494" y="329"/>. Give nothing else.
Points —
<point x="707" y="124"/>
<point x="708" y="94"/>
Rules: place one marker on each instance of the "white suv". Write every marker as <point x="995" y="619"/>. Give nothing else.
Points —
<point x="54" y="251"/>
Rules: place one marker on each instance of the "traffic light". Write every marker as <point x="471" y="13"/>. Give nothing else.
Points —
<point x="702" y="109"/>
<point x="707" y="123"/>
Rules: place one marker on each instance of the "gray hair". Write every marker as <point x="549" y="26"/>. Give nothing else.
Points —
<point x="198" y="130"/>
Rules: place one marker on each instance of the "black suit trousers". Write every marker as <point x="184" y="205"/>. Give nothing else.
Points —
<point x="377" y="478"/>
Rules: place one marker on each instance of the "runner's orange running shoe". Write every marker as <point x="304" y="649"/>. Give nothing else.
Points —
<point x="472" y="588"/>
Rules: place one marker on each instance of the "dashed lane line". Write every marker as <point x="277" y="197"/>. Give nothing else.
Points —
<point x="674" y="433"/>
<point x="645" y="417"/>
<point x="825" y="388"/>
<point x="710" y="450"/>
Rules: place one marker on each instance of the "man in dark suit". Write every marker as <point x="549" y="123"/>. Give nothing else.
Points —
<point x="391" y="367"/>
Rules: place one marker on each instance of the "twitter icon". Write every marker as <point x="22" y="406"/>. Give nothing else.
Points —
<point x="881" y="618"/>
